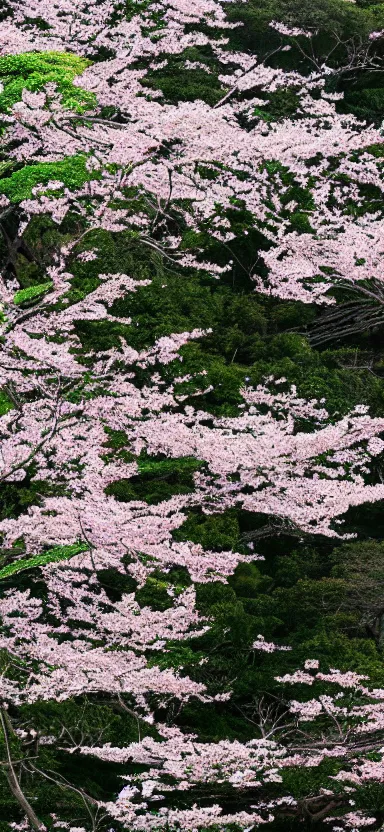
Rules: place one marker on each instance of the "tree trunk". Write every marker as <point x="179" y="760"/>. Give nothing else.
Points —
<point x="13" y="782"/>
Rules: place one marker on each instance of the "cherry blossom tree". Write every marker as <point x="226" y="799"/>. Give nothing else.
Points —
<point x="138" y="467"/>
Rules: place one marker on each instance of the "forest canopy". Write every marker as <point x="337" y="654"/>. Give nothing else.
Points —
<point x="191" y="416"/>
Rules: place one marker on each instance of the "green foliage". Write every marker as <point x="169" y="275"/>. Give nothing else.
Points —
<point x="329" y="17"/>
<point x="179" y="83"/>
<point x="100" y="335"/>
<point x="361" y="568"/>
<point x="154" y="594"/>
<point x="174" y="304"/>
<point x="309" y="603"/>
<point x="55" y="554"/>
<point x="219" y="532"/>
<point x="176" y="656"/>
<point x="115" y="583"/>
<point x="158" y="480"/>
<point x="16" y="497"/>
<point x="279" y="105"/>
<point x="248" y="340"/>
<point x="71" y="171"/>
<point x="43" y="237"/>
<point x="248" y="581"/>
<point x="78" y="720"/>
<point x="212" y="595"/>
<point x="365" y="99"/>
<point x="370" y="798"/>
<point x="249" y="334"/>
<point x="335" y="375"/>
<point x="32" y="70"/>
<point x="118" y="252"/>
<point x="5" y="403"/>
<point x="162" y="467"/>
<point x="323" y="601"/>
<point x="32" y="293"/>
<point x="367" y="520"/>
<point x="126" y="9"/>
<point x="303" y="781"/>
<point x="117" y="725"/>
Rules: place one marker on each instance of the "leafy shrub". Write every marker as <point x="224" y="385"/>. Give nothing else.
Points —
<point x="32" y="70"/>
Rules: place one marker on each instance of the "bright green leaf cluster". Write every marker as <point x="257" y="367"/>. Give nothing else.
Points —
<point x="72" y="171"/>
<point x="57" y="553"/>
<point x="32" y="293"/>
<point x="5" y="403"/>
<point x="32" y="70"/>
